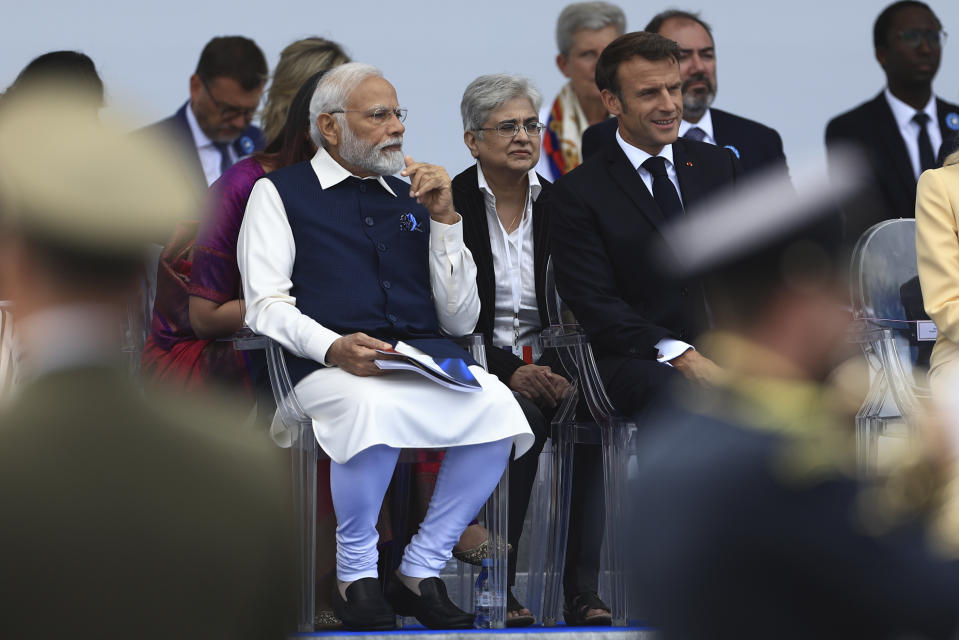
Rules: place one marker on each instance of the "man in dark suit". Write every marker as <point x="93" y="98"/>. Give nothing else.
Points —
<point x="121" y="516"/>
<point x="756" y="145"/>
<point x="225" y="90"/>
<point x="901" y="129"/>
<point x="604" y="214"/>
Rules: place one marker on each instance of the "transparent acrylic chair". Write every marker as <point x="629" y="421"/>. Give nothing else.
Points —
<point x="304" y="452"/>
<point x="884" y="259"/>
<point x="608" y="429"/>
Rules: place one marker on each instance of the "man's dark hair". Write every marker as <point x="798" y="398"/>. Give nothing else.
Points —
<point x="642" y="44"/>
<point x="880" y="30"/>
<point x="66" y="69"/>
<point x="233" y="57"/>
<point x="657" y="22"/>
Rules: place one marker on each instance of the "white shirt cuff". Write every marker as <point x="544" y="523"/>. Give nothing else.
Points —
<point x="446" y="238"/>
<point x="669" y="348"/>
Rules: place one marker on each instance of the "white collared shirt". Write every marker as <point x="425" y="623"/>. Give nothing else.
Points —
<point x="909" y="129"/>
<point x="516" y="315"/>
<point x="210" y="157"/>
<point x="266" y="251"/>
<point x="705" y="123"/>
<point x="668" y="348"/>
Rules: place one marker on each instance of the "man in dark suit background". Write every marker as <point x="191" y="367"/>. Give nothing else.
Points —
<point x="225" y="91"/>
<point x="756" y="145"/>
<point x="901" y="129"/>
<point x="604" y="215"/>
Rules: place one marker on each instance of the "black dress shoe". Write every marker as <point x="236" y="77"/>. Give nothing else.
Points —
<point x="432" y="607"/>
<point x="365" y="609"/>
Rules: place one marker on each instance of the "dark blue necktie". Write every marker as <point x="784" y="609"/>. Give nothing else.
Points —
<point x="225" y="160"/>
<point x="695" y="133"/>
<point x="664" y="193"/>
<point x="927" y="159"/>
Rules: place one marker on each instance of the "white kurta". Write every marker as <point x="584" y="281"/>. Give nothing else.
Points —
<point x="351" y="413"/>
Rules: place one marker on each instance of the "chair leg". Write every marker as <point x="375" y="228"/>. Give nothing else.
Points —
<point x="304" y="452"/>
<point x="497" y="519"/>
<point x="559" y="523"/>
<point x="536" y="531"/>
<point x="615" y="459"/>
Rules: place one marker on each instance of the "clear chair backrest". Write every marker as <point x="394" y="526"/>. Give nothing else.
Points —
<point x="884" y="259"/>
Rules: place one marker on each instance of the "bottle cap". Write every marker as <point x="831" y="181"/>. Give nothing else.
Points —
<point x="487" y="562"/>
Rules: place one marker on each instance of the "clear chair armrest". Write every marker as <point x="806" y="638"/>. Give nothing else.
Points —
<point x="246" y="340"/>
<point x="563" y="335"/>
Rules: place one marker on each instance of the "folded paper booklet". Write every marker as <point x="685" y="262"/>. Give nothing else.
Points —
<point x="451" y="373"/>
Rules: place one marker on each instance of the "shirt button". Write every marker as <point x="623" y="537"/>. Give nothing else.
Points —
<point x="381" y="246"/>
<point x="362" y="188"/>
<point x="368" y="220"/>
<point x="386" y="284"/>
<point x="392" y="318"/>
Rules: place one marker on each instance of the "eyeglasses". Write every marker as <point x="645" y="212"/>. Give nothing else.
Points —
<point x="914" y="37"/>
<point x="379" y="115"/>
<point x="228" y="111"/>
<point x="509" y="128"/>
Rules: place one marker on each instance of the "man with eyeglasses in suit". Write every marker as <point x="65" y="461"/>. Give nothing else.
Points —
<point x="902" y="129"/>
<point x="225" y="90"/>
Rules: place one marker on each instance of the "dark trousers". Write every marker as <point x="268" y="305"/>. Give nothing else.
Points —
<point x="635" y="385"/>
<point x="585" y="536"/>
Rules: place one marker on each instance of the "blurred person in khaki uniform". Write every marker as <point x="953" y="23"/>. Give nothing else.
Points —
<point x="749" y="520"/>
<point x="120" y="518"/>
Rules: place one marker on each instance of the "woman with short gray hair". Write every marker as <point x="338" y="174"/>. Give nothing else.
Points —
<point x="503" y="203"/>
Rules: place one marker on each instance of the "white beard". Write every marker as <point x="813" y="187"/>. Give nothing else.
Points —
<point x="371" y="157"/>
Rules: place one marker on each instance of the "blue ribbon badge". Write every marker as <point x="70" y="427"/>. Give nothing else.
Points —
<point x="952" y="121"/>
<point x="246" y="145"/>
<point x="733" y="149"/>
<point x="408" y="222"/>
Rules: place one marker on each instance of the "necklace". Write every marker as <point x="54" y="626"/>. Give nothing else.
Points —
<point x="512" y="225"/>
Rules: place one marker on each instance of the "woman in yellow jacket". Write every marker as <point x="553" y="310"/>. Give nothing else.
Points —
<point x="937" y="251"/>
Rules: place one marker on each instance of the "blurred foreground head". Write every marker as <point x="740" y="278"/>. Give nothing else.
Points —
<point x="69" y="71"/>
<point x="772" y="262"/>
<point x="79" y="199"/>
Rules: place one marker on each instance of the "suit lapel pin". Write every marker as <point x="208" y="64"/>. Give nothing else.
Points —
<point x="246" y="144"/>
<point x="733" y="149"/>
<point x="689" y="164"/>
<point x="952" y="121"/>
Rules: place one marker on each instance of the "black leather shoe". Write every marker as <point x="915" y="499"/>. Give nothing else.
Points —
<point x="364" y="609"/>
<point x="432" y="607"/>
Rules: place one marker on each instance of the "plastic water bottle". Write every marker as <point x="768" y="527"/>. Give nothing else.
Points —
<point x="483" y="597"/>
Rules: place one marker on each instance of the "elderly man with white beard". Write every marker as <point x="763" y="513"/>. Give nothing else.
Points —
<point x="339" y="258"/>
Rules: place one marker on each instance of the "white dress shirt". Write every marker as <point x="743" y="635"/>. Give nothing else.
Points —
<point x="668" y="348"/>
<point x="516" y="315"/>
<point x="210" y="157"/>
<point x="705" y="123"/>
<point x="266" y="250"/>
<point x="909" y="129"/>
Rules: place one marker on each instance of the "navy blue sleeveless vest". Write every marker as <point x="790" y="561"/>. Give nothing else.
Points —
<point x="362" y="261"/>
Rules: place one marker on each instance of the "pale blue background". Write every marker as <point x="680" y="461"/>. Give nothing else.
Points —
<point x="789" y="65"/>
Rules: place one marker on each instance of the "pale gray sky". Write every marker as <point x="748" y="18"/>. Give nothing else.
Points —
<point x="790" y="65"/>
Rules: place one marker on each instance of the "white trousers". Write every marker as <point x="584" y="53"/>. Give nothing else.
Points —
<point x="466" y="479"/>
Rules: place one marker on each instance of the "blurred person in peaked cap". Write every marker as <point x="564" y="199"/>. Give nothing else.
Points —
<point x="120" y="517"/>
<point x="753" y="523"/>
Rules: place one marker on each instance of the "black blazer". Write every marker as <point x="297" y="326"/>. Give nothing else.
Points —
<point x="603" y="221"/>
<point x="178" y="128"/>
<point x="873" y="129"/>
<point x="756" y="145"/>
<point x="469" y="203"/>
